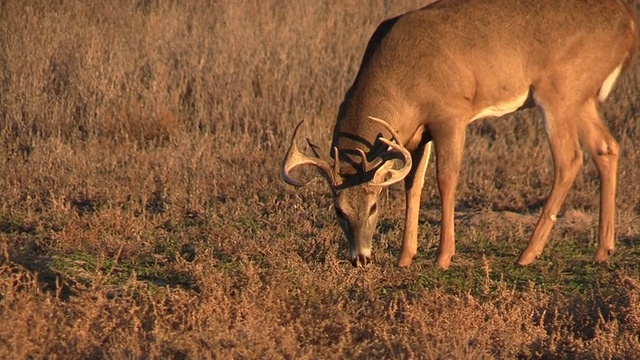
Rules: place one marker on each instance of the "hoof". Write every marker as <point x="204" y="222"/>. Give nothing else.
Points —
<point x="526" y="258"/>
<point x="443" y="262"/>
<point x="405" y="259"/>
<point x="603" y="255"/>
<point x="403" y="263"/>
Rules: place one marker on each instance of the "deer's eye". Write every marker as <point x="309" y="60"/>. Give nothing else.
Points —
<point x="373" y="208"/>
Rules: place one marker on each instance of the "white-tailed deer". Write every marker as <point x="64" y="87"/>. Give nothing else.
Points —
<point x="430" y="72"/>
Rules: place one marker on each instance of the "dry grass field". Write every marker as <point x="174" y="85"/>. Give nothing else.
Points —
<point x="142" y="214"/>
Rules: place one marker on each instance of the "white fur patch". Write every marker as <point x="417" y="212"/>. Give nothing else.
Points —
<point x="501" y="109"/>
<point x="606" y="87"/>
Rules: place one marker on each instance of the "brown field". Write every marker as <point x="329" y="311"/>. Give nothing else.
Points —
<point x="142" y="214"/>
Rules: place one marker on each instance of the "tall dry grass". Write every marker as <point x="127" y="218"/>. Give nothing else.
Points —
<point x="141" y="213"/>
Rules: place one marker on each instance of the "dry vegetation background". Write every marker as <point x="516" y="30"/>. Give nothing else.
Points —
<point x="142" y="215"/>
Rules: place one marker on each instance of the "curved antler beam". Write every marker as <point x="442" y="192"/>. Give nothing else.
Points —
<point x="396" y="174"/>
<point x="294" y="158"/>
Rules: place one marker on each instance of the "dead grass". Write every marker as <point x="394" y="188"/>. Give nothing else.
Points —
<point x="142" y="215"/>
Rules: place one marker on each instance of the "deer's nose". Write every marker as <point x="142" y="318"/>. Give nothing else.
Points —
<point x="360" y="260"/>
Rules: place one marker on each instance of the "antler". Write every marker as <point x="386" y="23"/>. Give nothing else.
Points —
<point x="336" y="156"/>
<point x="295" y="158"/>
<point x="396" y="175"/>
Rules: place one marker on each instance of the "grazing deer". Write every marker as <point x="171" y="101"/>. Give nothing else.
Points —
<point x="430" y="72"/>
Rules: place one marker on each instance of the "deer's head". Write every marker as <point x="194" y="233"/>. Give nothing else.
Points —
<point x="355" y="185"/>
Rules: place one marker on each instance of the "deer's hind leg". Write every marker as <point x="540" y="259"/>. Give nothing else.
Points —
<point x="604" y="151"/>
<point x="561" y="124"/>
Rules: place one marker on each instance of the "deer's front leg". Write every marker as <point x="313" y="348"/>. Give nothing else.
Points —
<point x="449" y="143"/>
<point x="562" y="131"/>
<point x="413" y="188"/>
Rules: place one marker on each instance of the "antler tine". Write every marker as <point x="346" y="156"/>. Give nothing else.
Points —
<point x="336" y="161"/>
<point x="386" y="125"/>
<point x="399" y="174"/>
<point x="314" y="147"/>
<point x="364" y="162"/>
<point x="295" y="158"/>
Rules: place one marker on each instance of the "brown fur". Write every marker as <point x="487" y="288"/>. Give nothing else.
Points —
<point x="430" y="72"/>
